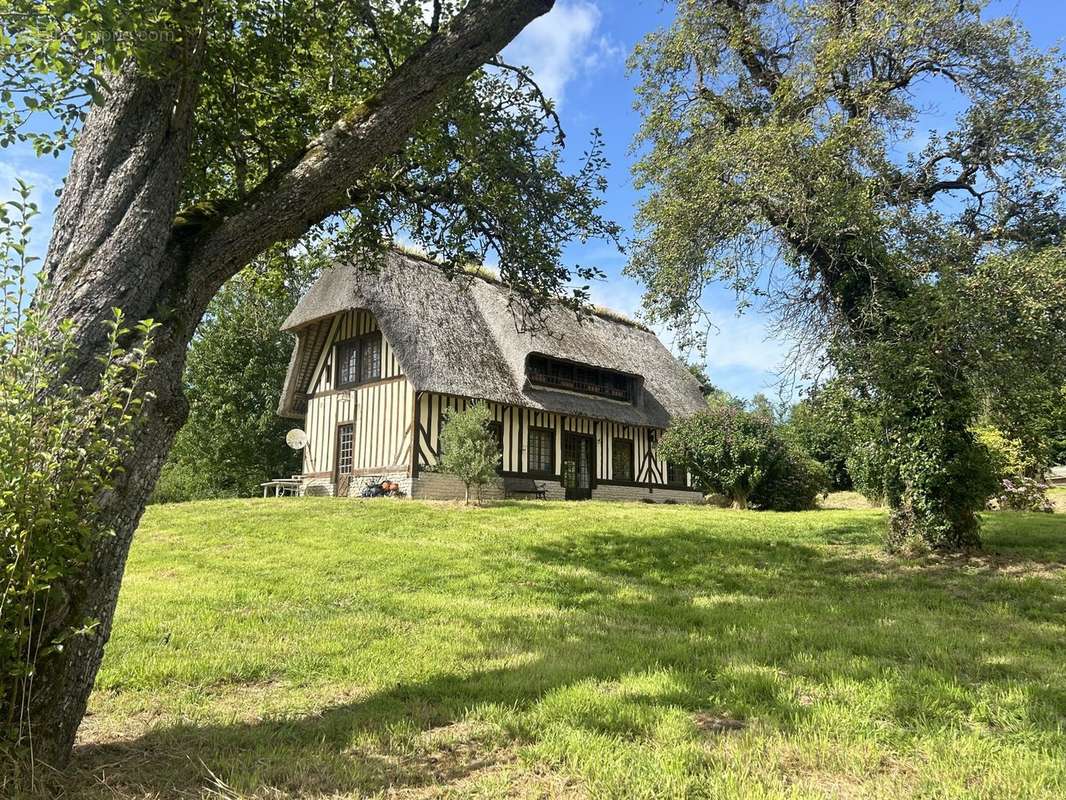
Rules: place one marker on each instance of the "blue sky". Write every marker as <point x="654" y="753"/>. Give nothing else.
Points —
<point x="578" y="52"/>
<point x="579" y="49"/>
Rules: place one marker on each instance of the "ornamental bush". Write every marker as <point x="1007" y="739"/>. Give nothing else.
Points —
<point x="61" y="447"/>
<point x="1014" y="473"/>
<point x="727" y="448"/>
<point x="1024" y="494"/>
<point x="794" y="482"/>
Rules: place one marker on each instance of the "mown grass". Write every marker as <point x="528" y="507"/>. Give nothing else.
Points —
<point x="319" y="648"/>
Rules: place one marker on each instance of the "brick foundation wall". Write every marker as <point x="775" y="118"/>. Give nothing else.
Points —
<point x="441" y="486"/>
<point x="358" y="483"/>
<point x="317" y="487"/>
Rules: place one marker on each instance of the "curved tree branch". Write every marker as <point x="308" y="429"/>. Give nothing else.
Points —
<point x="314" y="184"/>
<point x="545" y="103"/>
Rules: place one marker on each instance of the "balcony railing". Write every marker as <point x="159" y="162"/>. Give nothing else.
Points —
<point x="600" y="388"/>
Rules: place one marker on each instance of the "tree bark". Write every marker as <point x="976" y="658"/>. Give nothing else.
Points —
<point x="117" y="242"/>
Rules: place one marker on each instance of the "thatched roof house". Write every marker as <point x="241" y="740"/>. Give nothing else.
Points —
<point x="455" y="341"/>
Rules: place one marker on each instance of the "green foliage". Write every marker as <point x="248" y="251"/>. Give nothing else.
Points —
<point x="738" y="450"/>
<point x="934" y="280"/>
<point x="483" y="179"/>
<point x="1008" y="457"/>
<point x="829" y="425"/>
<point x="57" y="58"/>
<point x="866" y="469"/>
<point x="469" y="449"/>
<point x="234" y="439"/>
<point x="61" y="448"/>
<point x="1017" y="472"/>
<point x="1024" y="494"/>
<point x="727" y="448"/>
<point x="1056" y="437"/>
<point x="1019" y="344"/>
<point x="793" y="482"/>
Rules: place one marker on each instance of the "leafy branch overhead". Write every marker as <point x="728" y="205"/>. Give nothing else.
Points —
<point x="284" y="99"/>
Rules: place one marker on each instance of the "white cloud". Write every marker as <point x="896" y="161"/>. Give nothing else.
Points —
<point x="745" y="341"/>
<point x="563" y="45"/>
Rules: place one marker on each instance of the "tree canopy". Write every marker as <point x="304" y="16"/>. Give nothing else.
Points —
<point x="234" y="439"/>
<point x="207" y="134"/>
<point x="780" y="132"/>
<point x="484" y="179"/>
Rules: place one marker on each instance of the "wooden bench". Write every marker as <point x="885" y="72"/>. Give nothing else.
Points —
<point x="524" y="486"/>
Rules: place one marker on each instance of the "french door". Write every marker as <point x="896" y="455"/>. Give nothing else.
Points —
<point x="578" y="466"/>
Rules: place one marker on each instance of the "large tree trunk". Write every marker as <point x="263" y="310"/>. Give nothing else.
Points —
<point x="934" y="482"/>
<point x="115" y="245"/>
<point x="109" y="250"/>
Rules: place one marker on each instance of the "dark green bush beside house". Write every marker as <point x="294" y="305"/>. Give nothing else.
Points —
<point x="727" y="448"/>
<point x="794" y="482"/>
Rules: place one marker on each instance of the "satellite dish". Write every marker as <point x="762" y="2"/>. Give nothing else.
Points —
<point x="296" y="439"/>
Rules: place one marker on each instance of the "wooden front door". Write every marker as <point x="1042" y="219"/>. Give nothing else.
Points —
<point x="578" y="466"/>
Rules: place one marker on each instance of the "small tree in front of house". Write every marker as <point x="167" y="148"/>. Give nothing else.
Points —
<point x="469" y="449"/>
<point x="727" y="448"/>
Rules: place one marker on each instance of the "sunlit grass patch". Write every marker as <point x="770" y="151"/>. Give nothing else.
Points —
<point x="321" y="648"/>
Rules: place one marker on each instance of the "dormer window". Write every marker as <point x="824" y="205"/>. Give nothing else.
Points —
<point x="544" y="371"/>
<point x="359" y="360"/>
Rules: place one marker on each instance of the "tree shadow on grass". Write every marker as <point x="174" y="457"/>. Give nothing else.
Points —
<point x="718" y="627"/>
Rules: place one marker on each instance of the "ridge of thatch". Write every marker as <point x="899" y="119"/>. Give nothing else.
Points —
<point x="462" y="338"/>
<point x="490" y="275"/>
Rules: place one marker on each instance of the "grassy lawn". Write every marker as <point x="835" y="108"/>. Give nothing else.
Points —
<point x="316" y="648"/>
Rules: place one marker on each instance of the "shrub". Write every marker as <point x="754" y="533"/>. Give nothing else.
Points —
<point x="793" y="483"/>
<point x="866" y="467"/>
<point x="1006" y="456"/>
<point x="727" y="448"/>
<point x="1013" y="470"/>
<point x="1024" y="494"/>
<point x="180" y="482"/>
<point x="61" y="448"/>
<point x="469" y="449"/>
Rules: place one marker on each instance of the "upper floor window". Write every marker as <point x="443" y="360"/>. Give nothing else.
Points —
<point x="359" y="360"/>
<point x="580" y="378"/>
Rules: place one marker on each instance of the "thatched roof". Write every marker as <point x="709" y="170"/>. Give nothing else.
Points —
<point x="460" y="337"/>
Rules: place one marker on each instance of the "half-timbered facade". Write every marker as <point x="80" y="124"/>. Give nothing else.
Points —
<point x="381" y="354"/>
